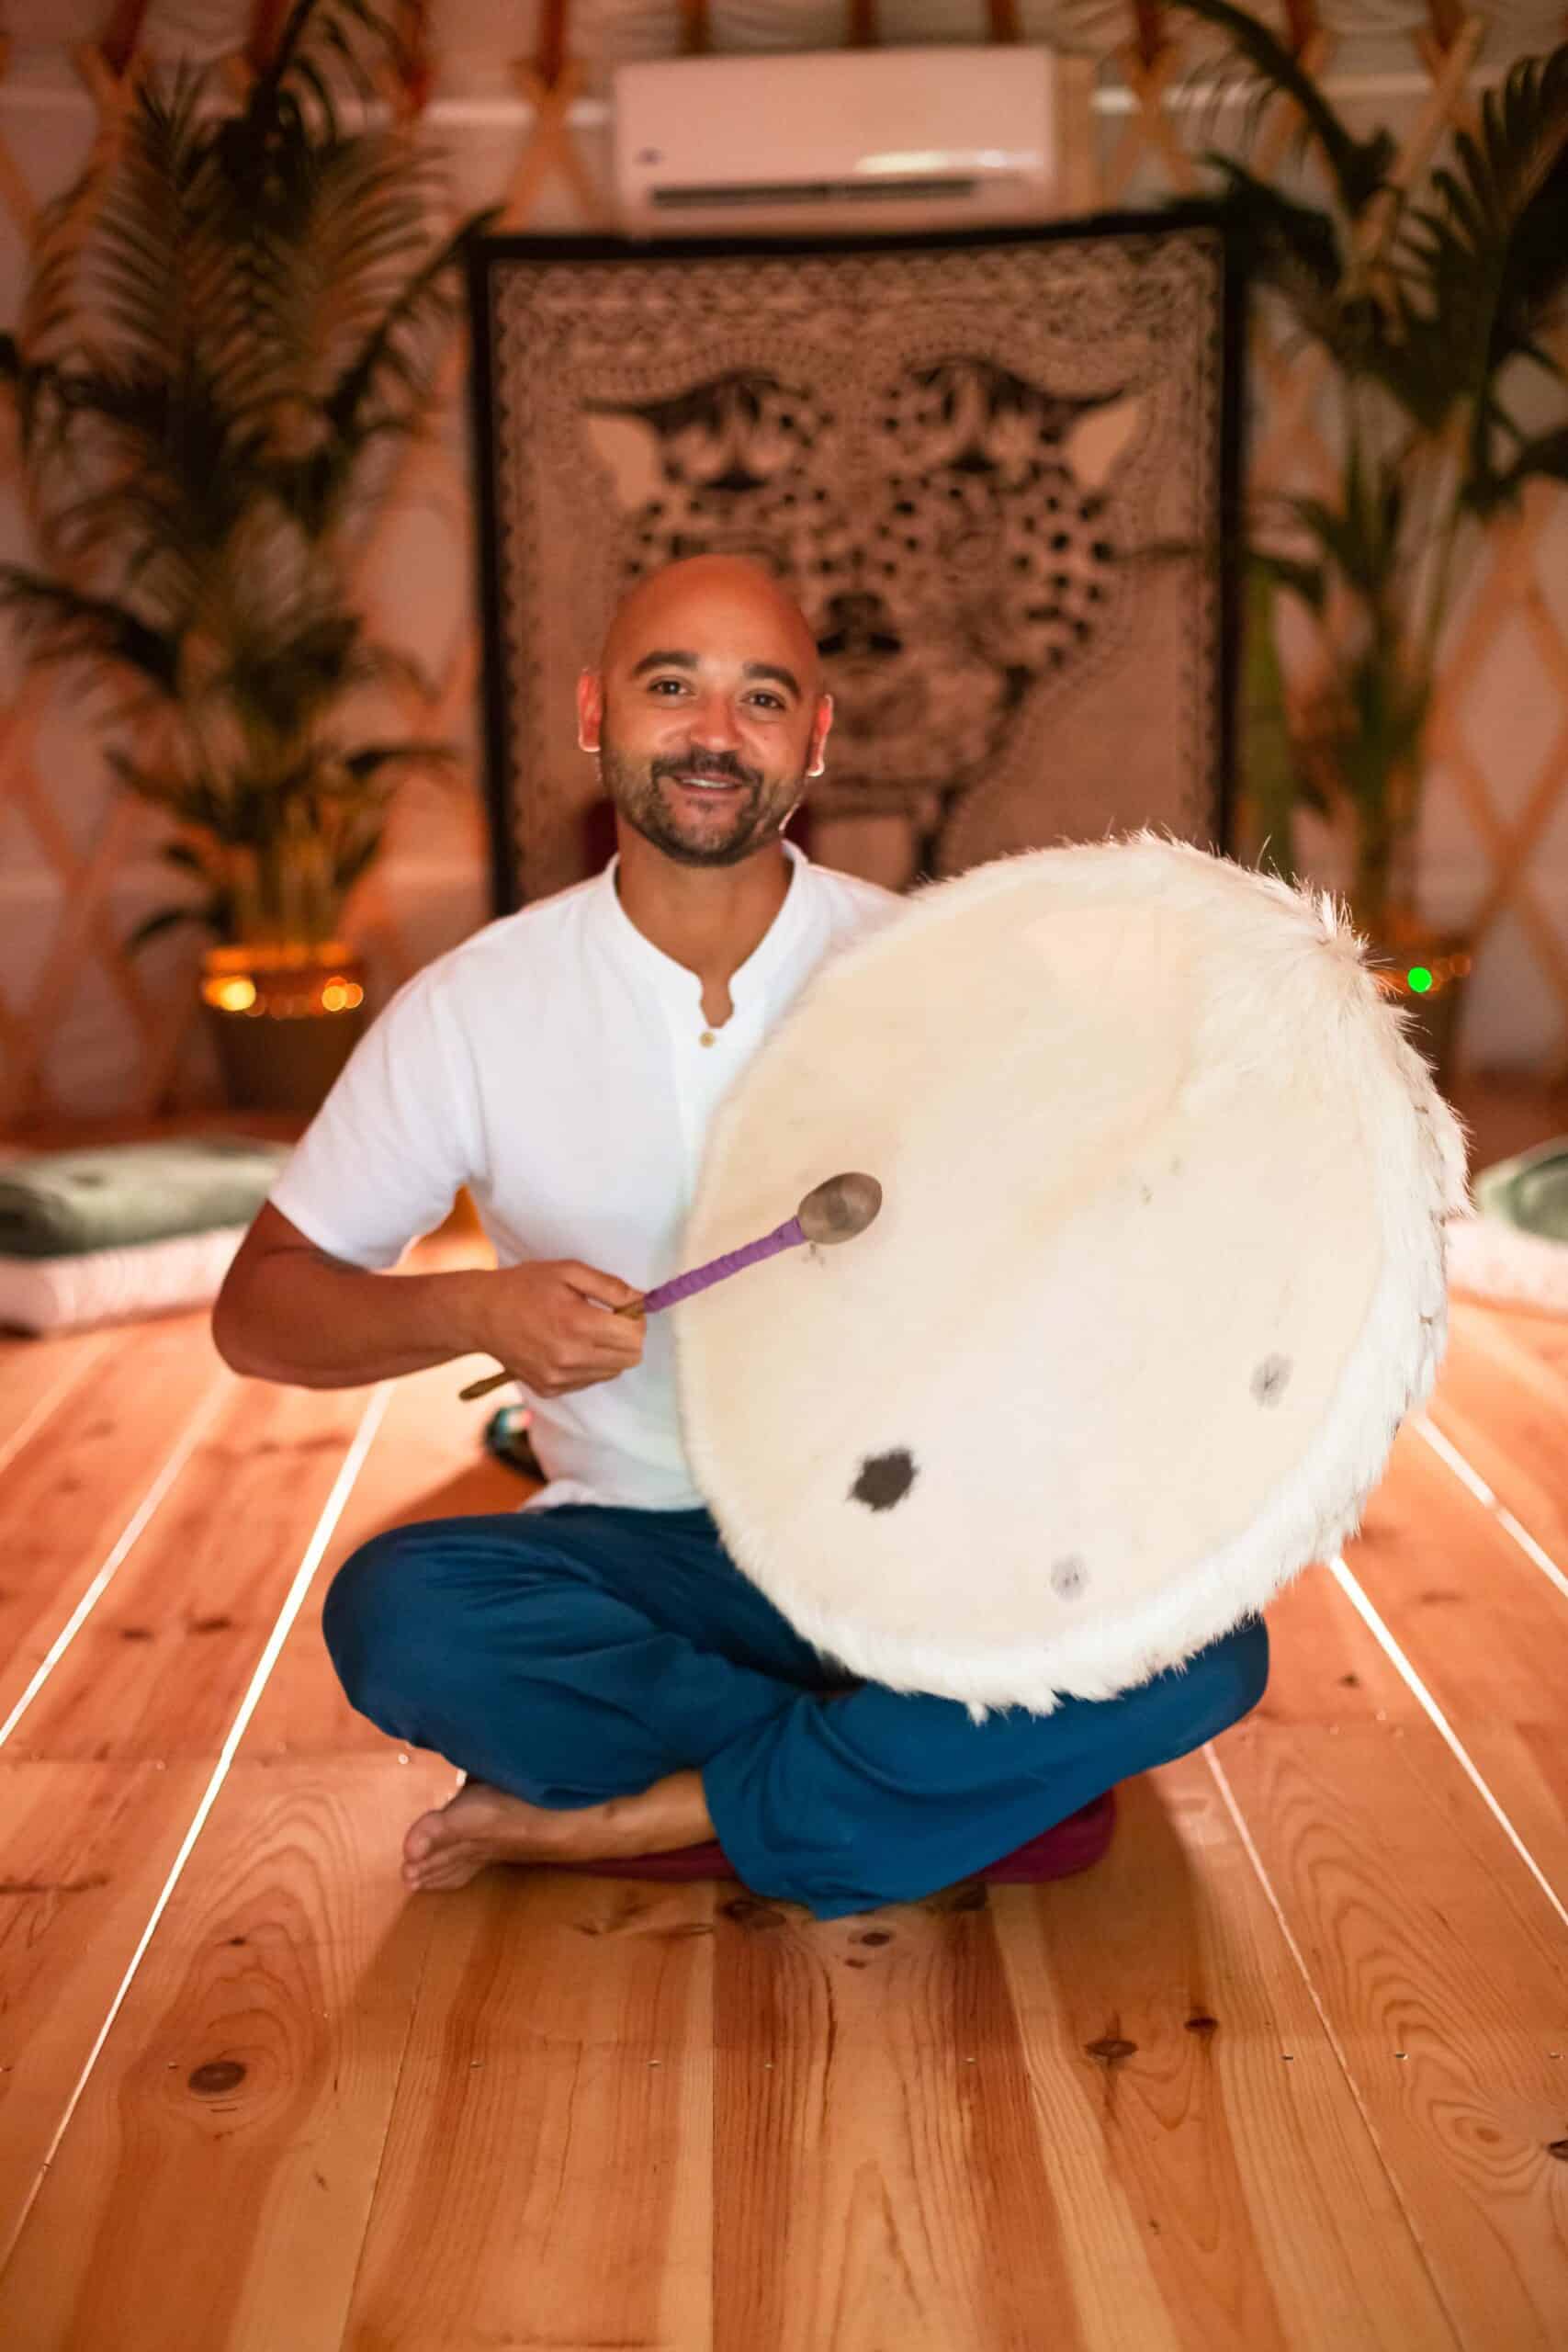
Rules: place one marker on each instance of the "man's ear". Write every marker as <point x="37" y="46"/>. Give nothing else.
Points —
<point x="820" y="728"/>
<point x="589" y="710"/>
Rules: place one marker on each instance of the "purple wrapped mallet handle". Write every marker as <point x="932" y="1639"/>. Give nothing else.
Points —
<point x="783" y="1237"/>
<point x="835" y="1211"/>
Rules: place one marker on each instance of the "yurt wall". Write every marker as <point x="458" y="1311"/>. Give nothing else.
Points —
<point x="518" y="98"/>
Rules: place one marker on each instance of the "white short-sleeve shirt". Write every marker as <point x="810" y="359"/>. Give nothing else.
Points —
<point x="559" y="1065"/>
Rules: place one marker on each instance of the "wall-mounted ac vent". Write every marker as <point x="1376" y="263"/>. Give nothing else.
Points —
<point x="915" y="138"/>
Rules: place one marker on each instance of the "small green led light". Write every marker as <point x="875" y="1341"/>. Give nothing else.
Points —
<point x="1418" y="979"/>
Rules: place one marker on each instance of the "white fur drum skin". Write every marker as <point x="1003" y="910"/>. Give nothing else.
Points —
<point x="1158" y="1274"/>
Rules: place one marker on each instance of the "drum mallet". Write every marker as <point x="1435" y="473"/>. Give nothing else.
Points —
<point x="831" y="1211"/>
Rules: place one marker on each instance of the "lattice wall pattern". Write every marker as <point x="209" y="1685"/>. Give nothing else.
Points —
<point x="516" y="97"/>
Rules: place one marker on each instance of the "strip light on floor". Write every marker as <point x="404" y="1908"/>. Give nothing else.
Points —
<point x="1478" y="1487"/>
<point x="332" y="1511"/>
<point x="129" y="1535"/>
<point x="1386" y="1643"/>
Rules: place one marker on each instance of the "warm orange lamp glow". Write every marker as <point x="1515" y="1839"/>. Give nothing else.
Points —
<point x="284" y="1015"/>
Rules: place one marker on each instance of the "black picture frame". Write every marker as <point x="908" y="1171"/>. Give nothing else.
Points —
<point x="488" y="256"/>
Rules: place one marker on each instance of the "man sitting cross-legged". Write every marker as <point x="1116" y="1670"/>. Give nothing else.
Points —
<point x="614" y="1689"/>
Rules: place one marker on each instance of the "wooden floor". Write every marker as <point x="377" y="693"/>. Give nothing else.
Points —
<point x="1289" y="2069"/>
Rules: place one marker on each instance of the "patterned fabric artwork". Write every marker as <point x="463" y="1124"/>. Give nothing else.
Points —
<point x="977" y="463"/>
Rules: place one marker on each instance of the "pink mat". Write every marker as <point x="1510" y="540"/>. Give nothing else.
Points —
<point x="1072" y="1845"/>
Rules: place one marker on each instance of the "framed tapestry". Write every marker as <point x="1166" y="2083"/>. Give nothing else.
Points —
<point x="995" y="470"/>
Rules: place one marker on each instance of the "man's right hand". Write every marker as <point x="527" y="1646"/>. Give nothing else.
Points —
<point x="289" y="1312"/>
<point x="550" y="1323"/>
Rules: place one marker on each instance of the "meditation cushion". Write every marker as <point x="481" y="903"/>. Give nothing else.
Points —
<point x="119" y="1196"/>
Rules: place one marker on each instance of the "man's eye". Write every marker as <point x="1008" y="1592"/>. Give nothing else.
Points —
<point x="674" y="685"/>
<point x="771" y="702"/>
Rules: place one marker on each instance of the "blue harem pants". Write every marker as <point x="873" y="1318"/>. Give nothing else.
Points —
<point x="577" y="1653"/>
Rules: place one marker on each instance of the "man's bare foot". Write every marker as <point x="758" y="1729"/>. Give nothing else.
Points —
<point x="480" y="1825"/>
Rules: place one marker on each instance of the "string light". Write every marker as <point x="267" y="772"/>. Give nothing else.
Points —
<point x="231" y="996"/>
<point x="282" y="984"/>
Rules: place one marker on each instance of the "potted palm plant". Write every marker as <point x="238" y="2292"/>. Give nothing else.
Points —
<point x="219" y="350"/>
<point x="1430" y="295"/>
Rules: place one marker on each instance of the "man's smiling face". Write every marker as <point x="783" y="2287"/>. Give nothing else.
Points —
<point x="708" y="713"/>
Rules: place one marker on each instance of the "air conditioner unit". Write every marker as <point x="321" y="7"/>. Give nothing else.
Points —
<point x="841" y="139"/>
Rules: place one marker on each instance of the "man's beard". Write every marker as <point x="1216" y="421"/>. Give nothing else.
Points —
<point x="635" y="786"/>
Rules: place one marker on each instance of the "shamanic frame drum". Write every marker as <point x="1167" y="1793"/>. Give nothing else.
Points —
<point x="1158" y="1272"/>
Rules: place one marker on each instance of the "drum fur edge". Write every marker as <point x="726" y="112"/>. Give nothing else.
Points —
<point x="1417" y="1181"/>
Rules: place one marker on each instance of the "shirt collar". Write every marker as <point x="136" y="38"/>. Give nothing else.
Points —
<point x="681" y="990"/>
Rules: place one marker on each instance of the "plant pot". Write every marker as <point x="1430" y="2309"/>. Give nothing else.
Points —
<point x="284" y="1021"/>
<point x="1426" y="972"/>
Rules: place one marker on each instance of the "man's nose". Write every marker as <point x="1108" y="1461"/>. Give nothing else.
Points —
<point x="713" y="724"/>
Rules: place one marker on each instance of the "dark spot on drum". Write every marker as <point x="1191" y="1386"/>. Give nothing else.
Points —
<point x="884" y="1479"/>
<point x="1069" y="1577"/>
<point x="1269" y="1380"/>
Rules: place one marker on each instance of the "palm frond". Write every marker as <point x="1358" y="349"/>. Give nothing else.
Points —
<point x="1484" y="259"/>
<point x="355" y="857"/>
<point x="1293" y="248"/>
<point x="1544" y="457"/>
<point x="1361" y="533"/>
<point x="1359" y="167"/>
<point x="386" y="763"/>
<point x="152" y="926"/>
<point x="397" y="352"/>
<point x="1291" y="575"/>
<point x="230" y="315"/>
<point x="136" y="272"/>
<point x="1272" y="768"/>
<point x="60" y="624"/>
<point x="283" y="681"/>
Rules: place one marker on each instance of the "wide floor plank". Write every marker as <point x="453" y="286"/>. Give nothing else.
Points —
<point x="1507" y="1412"/>
<point x="550" y="2153"/>
<point x="426" y="1463"/>
<point x="1423" y="1929"/>
<point x="200" y="1592"/>
<point x="84" y="1854"/>
<point x="1544" y="1337"/>
<point x="212" y="2189"/>
<point x="37" y="1375"/>
<point x="1442" y="1974"/>
<point x="1210" y="2158"/>
<point x="1479" y="1623"/>
<point x="872" y="2084"/>
<point x="151" y="1679"/>
<point x="76" y="1492"/>
<point x="160" y="1664"/>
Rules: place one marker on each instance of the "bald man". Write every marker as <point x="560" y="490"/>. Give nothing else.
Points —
<point x="617" y="1694"/>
